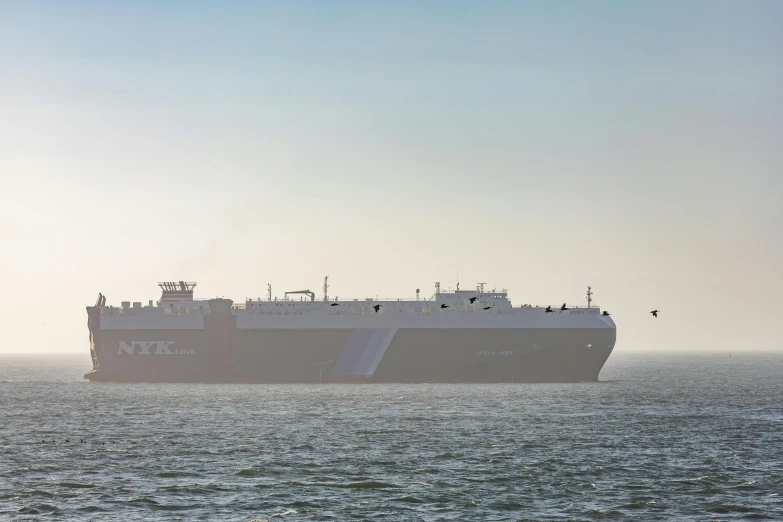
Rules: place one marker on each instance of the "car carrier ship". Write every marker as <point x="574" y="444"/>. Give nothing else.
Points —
<point x="453" y="336"/>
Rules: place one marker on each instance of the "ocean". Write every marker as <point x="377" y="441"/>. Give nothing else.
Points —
<point x="660" y="437"/>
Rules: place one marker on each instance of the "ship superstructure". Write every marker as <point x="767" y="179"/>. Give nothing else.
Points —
<point x="472" y="335"/>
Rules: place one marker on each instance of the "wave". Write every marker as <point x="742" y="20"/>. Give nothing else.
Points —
<point x="143" y="500"/>
<point x="248" y="472"/>
<point x="76" y="485"/>
<point x="38" y="509"/>
<point x="367" y="484"/>
<point x="730" y="508"/>
<point x="172" y="474"/>
<point x="92" y="509"/>
<point x="409" y="500"/>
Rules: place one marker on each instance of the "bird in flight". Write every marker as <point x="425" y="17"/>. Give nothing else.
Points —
<point x="473" y="300"/>
<point x="606" y="313"/>
<point x="487" y="307"/>
<point x="335" y="304"/>
<point x="444" y="306"/>
<point x="654" y="313"/>
<point x="377" y="307"/>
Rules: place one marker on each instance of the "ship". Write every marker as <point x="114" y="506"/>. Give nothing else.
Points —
<point x="460" y="336"/>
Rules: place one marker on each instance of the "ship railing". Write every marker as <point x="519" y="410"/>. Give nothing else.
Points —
<point x="341" y="301"/>
<point x="404" y="299"/>
<point x="390" y="300"/>
<point x="557" y="308"/>
<point x="243" y="306"/>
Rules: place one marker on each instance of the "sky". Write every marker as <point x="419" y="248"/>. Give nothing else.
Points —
<point x="536" y="146"/>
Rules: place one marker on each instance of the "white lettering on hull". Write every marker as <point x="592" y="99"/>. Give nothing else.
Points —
<point x="159" y="347"/>
<point x="495" y="353"/>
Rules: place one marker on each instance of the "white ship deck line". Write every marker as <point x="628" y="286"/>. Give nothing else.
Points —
<point x="177" y="310"/>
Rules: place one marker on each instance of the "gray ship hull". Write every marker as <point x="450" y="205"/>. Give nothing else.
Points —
<point x="221" y="352"/>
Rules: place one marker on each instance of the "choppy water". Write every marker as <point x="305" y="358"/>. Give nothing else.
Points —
<point x="662" y="437"/>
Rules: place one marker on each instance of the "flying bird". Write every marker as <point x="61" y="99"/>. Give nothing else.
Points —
<point x="563" y="307"/>
<point x="654" y="313"/>
<point x="487" y="307"/>
<point x="444" y="306"/>
<point x="549" y="310"/>
<point x="606" y="313"/>
<point x="335" y="304"/>
<point x="377" y="307"/>
<point x="473" y="300"/>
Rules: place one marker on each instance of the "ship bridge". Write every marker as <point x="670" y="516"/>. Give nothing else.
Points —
<point x="176" y="292"/>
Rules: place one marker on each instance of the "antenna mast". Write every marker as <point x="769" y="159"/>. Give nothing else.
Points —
<point x="326" y="288"/>
<point x="269" y="291"/>
<point x="589" y="297"/>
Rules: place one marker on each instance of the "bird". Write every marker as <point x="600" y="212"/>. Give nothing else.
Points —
<point x="444" y="306"/>
<point x="563" y="307"/>
<point x="654" y="313"/>
<point x="549" y="310"/>
<point x="606" y="313"/>
<point x="335" y="304"/>
<point x="487" y="307"/>
<point x="377" y="307"/>
<point x="473" y="300"/>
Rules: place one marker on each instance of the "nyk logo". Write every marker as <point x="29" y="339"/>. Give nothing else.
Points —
<point x="151" y="348"/>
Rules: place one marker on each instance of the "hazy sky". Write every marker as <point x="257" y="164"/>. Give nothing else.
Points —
<point x="538" y="146"/>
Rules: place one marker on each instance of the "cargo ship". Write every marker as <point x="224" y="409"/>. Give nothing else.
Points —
<point x="458" y="336"/>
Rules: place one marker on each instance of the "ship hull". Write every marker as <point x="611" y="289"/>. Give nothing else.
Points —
<point x="221" y="352"/>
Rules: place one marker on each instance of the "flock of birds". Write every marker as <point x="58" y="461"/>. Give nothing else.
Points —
<point x="563" y="308"/>
<point x="378" y="307"/>
<point x="473" y="300"/>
